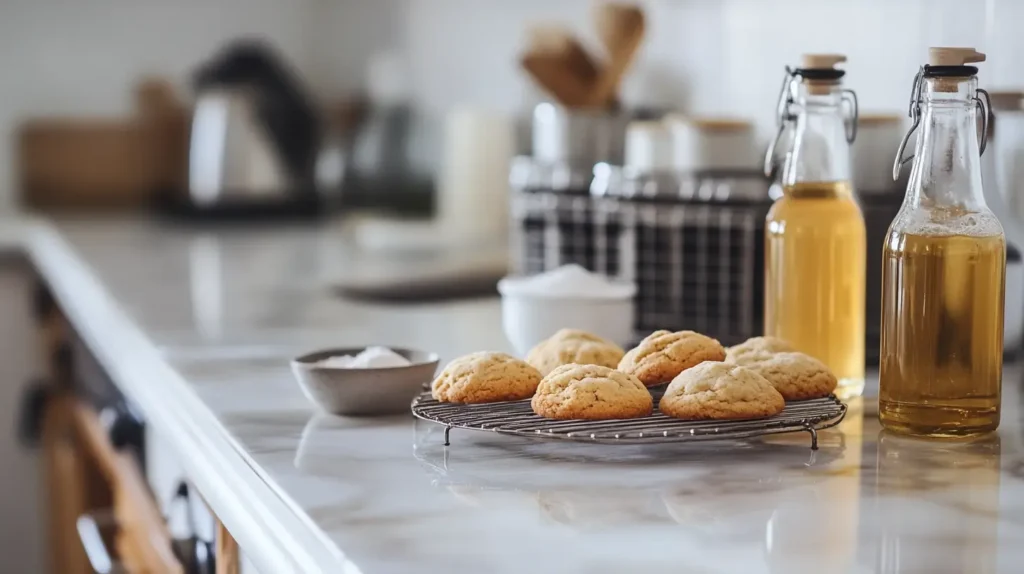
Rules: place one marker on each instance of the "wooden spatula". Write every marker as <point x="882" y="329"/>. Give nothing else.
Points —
<point x="560" y="65"/>
<point x="621" y="28"/>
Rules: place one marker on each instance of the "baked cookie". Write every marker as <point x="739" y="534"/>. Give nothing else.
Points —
<point x="573" y="346"/>
<point x="662" y="355"/>
<point x="591" y="392"/>
<point x="485" y="377"/>
<point x="796" y="375"/>
<point x="714" y="390"/>
<point x="756" y="349"/>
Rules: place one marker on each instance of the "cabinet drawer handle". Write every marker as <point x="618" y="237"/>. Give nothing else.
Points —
<point x="89" y="531"/>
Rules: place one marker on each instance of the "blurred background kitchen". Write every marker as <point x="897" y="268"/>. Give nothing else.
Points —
<point x="442" y="56"/>
<point x="85" y="60"/>
<point x="407" y="116"/>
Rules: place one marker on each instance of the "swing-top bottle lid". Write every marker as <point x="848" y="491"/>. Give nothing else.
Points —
<point x="819" y="72"/>
<point x="947" y="56"/>
<point x="947" y="70"/>
<point x="950" y="65"/>
<point x="819" y="75"/>
<point x="821" y="61"/>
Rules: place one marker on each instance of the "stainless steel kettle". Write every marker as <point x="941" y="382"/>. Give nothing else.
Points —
<point x="231" y="158"/>
<point x="255" y="133"/>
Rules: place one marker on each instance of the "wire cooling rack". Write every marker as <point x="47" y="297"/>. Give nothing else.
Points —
<point x="518" y="419"/>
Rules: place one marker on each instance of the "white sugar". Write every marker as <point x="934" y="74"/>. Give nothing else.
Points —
<point x="370" y="358"/>
<point x="568" y="281"/>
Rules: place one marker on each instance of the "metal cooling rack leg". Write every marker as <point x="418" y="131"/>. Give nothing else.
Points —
<point x="448" y="429"/>
<point x="809" y="429"/>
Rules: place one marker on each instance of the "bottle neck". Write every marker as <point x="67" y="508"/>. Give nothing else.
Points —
<point x="820" y="152"/>
<point x="947" y="163"/>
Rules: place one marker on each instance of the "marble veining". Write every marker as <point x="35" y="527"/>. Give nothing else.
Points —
<point x="228" y="308"/>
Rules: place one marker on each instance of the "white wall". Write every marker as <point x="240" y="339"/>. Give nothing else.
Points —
<point x="720" y="57"/>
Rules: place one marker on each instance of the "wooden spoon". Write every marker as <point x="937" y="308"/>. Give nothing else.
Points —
<point x="621" y="28"/>
<point x="560" y="65"/>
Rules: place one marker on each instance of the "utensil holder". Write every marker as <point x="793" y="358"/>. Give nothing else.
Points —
<point x="576" y="137"/>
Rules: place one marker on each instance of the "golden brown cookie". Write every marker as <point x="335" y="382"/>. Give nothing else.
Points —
<point x="796" y="375"/>
<point x="757" y="349"/>
<point x="714" y="390"/>
<point x="662" y="355"/>
<point x="485" y="377"/>
<point x="573" y="346"/>
<point x="591" y="392"/>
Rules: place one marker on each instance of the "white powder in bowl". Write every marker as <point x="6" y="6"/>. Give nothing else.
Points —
<point x="369" y="358"/>
<point x="567" y="281"/>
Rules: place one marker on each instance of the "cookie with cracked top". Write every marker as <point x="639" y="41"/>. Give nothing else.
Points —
<point x="485" y="377"/>
<point x="720" y="391"/>
<point x="591" y="392"/>
<point x="663" y="354"/>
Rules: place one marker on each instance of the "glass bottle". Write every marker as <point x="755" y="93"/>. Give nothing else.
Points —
<point x="814" y="236"/>
<point x="944" y="263"/>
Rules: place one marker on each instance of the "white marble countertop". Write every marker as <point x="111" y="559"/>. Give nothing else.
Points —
<point x="197" y="327"/>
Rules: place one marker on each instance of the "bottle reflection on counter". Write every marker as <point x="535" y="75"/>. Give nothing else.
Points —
<point x="965" y="477"/>
<point x="830" y="503"/>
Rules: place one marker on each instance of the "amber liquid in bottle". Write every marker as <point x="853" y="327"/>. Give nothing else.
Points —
<point x="814" y="289"/>
<point x="942" y="342"/>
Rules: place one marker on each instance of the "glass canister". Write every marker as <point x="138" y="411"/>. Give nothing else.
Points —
<point x="944" y="265"/>
<point x="814" y="235"/>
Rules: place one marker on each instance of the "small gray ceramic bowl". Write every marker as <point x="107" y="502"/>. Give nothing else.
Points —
<point x="363" y="392"/>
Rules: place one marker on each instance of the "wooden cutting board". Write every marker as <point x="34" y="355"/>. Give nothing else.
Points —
<point x="117" y="162"/>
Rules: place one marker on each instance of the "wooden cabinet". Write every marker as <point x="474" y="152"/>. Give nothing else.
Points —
<point x="74" y="487"/>
<point x="228" y="556"/>
<point x="86" y="475"/>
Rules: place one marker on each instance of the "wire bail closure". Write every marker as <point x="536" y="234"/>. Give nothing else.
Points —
<point x="784" y="116"/>
<point x="850" y="97"/>
<point x="983" y="105"/>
